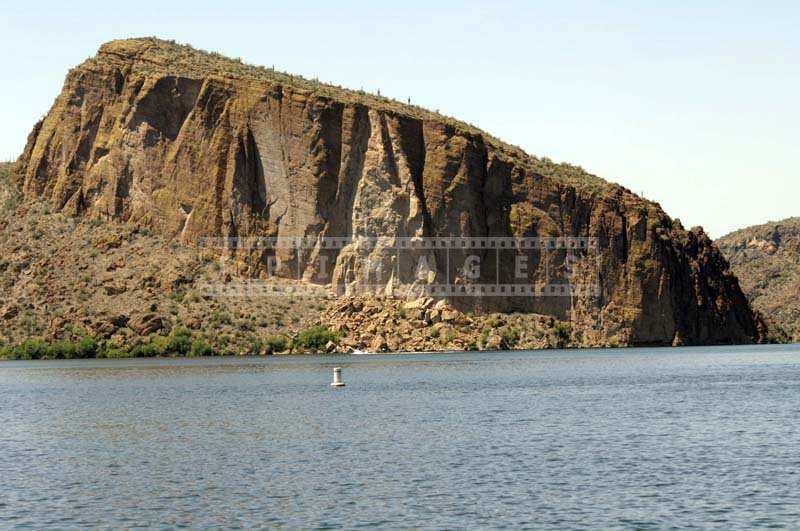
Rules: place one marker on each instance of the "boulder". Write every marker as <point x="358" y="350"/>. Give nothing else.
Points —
<point x="146" y="324"/>
<point x="450" y="315"/>
<point x="418" y="304"/>
<point x="378" y="344"/>
<point x="115" y="289"/>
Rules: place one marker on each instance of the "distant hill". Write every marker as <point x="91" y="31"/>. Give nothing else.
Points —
<point x="766" y="258"/>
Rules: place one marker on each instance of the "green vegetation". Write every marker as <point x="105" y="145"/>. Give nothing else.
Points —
<point x="275" y="344"/>
<point x="510" y="337"/>
<point x="218" y="319"/>
<point x="180" y="342"/>
<point x="200" y="348"/>
<point x="315" y="338"/>
<point x="176" y="344"/>
<point x="562" y="331"/>
<point x="484" y="337"/>
<point x="447" y="337"/>
<point x="144" y="350"/>
<point x="116" y="352"/>
<point x="32" y="349"/>
<point x="87" y="348"/>
<point x="35" y="349"/>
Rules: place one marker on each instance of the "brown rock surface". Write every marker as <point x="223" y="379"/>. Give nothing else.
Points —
<point x="146" y="324"/>
<point x="191" y="145"/>
<point x="53" y="280"/>
<point x="383" y="324"/>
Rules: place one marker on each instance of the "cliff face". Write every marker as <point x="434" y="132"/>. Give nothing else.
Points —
<point x="192" y="145"/>
<point x="766" y="259"/>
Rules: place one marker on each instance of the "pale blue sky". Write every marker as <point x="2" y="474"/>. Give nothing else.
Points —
<point x="693" y="103"/>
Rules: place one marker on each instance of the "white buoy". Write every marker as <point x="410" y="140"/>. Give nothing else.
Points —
<point x="337" y="378"/>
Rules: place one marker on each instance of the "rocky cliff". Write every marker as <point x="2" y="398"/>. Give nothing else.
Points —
<point x="192" y="145"/>
<point x="766" y="259"/>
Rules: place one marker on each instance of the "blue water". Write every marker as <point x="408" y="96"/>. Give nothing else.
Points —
<point x="636" y="438"/>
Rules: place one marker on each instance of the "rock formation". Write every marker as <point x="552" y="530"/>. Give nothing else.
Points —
<point x="766" y="259"/>
<point x="192" y="145"/>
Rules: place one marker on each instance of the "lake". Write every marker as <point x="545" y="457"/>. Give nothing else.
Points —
<point x="644" y="438"/>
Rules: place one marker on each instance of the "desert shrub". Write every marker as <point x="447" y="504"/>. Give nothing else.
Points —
<point x="12" y="201"/>
<point x="222" y="340"/>
<point x="179" y="342"/>
<point x="315" y="338"/>
<point x="32" y="349"/>
<point x="255" y="347"/>
<point x="510" y="336"/>
<point x="274" y="344"/>
<point x="200" y="348"/>
<point x="447" y="336"/>
<point x="161" y="344"/>
<point x="115" y="352"/>
<point x="13" y="196"/>
<point x="31" y="324"/>
<point x="86" y="348"/>
<point x="219" y="318"/>
<point x="178" y="295"/>
<point x="62" y="350"/>
<point x="562" y="331"/>
<point x="36" y="349"/>
<point x="145" y="350"/>
<point x="484" y="337"/>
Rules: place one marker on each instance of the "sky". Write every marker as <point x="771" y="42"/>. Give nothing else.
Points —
<point x="694" y="104"/>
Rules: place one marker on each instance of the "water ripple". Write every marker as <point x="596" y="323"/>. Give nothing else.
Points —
<point x="636" y="438"/>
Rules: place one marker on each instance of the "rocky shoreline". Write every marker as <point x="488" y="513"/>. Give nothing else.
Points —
<point x="429" y="325"/>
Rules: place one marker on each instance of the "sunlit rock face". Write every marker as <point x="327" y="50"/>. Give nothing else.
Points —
<point x="193" y="145"/>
